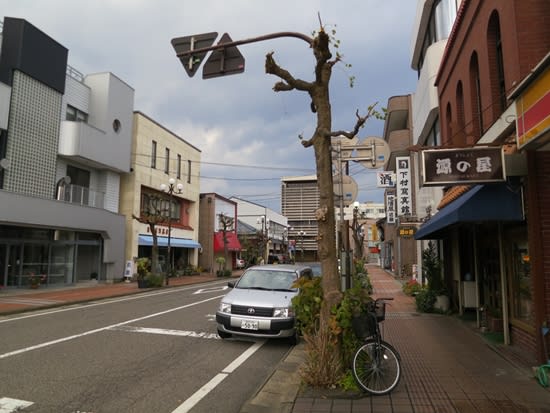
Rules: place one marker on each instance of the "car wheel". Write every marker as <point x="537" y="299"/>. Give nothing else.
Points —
<point x="295" y="339"/>
<point x="223" y="334"/>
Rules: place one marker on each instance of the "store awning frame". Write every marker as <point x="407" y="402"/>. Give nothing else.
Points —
<point x="147" y="240"/>
<point x="233" y="243"/>
<point x="482" y="203"/>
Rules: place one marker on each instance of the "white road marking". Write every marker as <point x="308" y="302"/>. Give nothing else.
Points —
<point x="187" y="405"/>
<point x="211" y="289"/>
<point x="79" y="306"/>
<point x="164" y="331"/>
<point x="8" y="405"/>
<point x="98" y="330"/>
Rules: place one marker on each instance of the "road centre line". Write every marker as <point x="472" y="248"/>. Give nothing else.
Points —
<point x="188" y="404"/>
<point x="98" y="330"/>
<point x="79" y="306"/>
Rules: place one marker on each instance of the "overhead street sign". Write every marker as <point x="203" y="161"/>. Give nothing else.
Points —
<point x="224" y="61"/>
<point x="183" y="45"/>
<point x="376" y="150"/>
<point x="345" y="189"/>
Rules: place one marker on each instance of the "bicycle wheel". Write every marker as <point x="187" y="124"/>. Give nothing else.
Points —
<point x="377" y="368"/>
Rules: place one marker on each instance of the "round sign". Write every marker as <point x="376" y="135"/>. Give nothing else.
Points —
<point x="378" y="151"/>
<point x="347" y="190"/>
<point x="347" y="146"/>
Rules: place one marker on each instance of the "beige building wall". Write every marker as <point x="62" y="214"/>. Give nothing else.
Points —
<point x="143" y="174"/>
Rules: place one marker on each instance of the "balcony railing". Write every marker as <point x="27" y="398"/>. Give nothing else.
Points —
<point x="80" y="195"/>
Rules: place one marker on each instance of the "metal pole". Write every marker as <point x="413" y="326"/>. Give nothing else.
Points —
<point x="169" y="260"/>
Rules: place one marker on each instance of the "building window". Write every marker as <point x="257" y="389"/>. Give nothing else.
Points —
<point x="178" y="167"/>
<point x="496" y="65"/>
<point x="460" y="135"/>
<point x="167" y="161"/>
<point x="475" y="93"/>
<point x="449" y="120"/>
<point x="75" y="115"/>
<point x="439" y="27"/>
<point x="433" y="138"/>
<point x="188" y="171"/>
<point x="153" y="154"/>
<point x="155" y="205"/>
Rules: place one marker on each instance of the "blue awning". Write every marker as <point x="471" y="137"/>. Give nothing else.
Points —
<point x="492" y="202"/>
<point x="147" y="240"/>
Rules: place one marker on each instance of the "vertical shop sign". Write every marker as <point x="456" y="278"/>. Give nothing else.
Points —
<point x="390" y="208"/>
<point x="404" y="197"/>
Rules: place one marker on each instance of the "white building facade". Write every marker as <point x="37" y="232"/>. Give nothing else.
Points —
<point x="63" y="145"/>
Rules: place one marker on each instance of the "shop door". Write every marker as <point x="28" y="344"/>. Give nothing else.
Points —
<point x="14" y="265"/>
<point x="3" y="264"/>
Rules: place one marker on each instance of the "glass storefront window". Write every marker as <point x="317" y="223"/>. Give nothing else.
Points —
<point x="521" y="288"/>
<point x="61" y="265"/>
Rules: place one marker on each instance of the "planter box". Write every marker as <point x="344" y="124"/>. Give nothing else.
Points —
<point x="143" y="283"/>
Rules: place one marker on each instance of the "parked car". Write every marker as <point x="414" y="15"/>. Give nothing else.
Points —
<point x="239" y="263"/>
<point x="259" y="304"/>
<point x="316" y="268"/>
<point x="278" y="259"/>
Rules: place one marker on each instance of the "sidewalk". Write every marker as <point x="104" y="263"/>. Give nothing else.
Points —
<point x="447" y="367"/>
<point x="20" y="300"/>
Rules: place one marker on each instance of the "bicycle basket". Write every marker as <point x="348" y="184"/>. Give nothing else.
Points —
<point x="363" y="325"/>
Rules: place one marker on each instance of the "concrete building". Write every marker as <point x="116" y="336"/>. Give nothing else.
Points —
<point x="399" y="249"/>
<point x="299" y="200"/>
<point x="159" y="156"/>
<point x="65" y="140"/>
<point x="271" y="229"/>
<point x="218" y="232"/>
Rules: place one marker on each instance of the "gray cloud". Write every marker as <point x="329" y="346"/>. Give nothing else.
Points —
<point x="239" y="120"/>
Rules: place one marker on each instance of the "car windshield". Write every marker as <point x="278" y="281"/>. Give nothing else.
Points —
<point x="268" y="280"/>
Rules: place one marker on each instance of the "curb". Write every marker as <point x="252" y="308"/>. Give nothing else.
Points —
<point x="278" y="392"/>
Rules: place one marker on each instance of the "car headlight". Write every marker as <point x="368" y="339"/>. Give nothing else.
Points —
<point x="225" y="308"/>
<point x="284" y="312"/>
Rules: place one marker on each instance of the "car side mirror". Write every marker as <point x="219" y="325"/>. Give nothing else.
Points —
<point x="231" y="284"/>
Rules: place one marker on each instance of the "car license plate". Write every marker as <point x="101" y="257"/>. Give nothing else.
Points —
<point x="249" y="325"/>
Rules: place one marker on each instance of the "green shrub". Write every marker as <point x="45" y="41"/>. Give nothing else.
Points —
<point x="425" y="300"/>
<point x="307" y="304"/>
<point x="412" y="287"/>
<point x="154" y="280"/>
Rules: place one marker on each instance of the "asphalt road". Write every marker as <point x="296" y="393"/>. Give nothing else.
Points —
<point x="155" y="352"/>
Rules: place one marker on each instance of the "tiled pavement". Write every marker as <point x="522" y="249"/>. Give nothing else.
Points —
<point x="447" y="367"/>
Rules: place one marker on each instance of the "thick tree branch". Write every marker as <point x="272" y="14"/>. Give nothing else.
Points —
<point x="358" y="124"/>
<point x="290" y="83"/>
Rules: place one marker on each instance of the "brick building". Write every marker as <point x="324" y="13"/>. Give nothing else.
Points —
<point x="493" y="90"/>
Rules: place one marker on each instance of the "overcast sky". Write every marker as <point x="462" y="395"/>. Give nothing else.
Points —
<point x="247" y="133"/>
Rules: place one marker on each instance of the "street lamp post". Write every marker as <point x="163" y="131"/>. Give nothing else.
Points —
<point x="170" y="189"/>
<point x="265" y="235"/>
<point x="302" y="233"/>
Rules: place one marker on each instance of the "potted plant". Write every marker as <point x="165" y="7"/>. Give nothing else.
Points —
<point x="431" y="268"/>
<point x="35" y="280"/>
<point x="143" y="267"/>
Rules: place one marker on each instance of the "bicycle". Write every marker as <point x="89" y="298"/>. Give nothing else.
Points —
<point x="376" y="364"/>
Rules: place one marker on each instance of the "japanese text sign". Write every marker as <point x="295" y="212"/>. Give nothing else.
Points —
<point x="390" y="208"/>
<point x="403" y="181"/>
<point x="462" y="166"/>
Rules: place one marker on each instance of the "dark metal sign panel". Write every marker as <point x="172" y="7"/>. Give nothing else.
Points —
<point x="462" y="166"/>
<point x="225" y="61"/>
<point x="183" y="45"/>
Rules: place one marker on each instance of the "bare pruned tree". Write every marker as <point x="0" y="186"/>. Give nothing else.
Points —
<point x="318" y="90"/>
